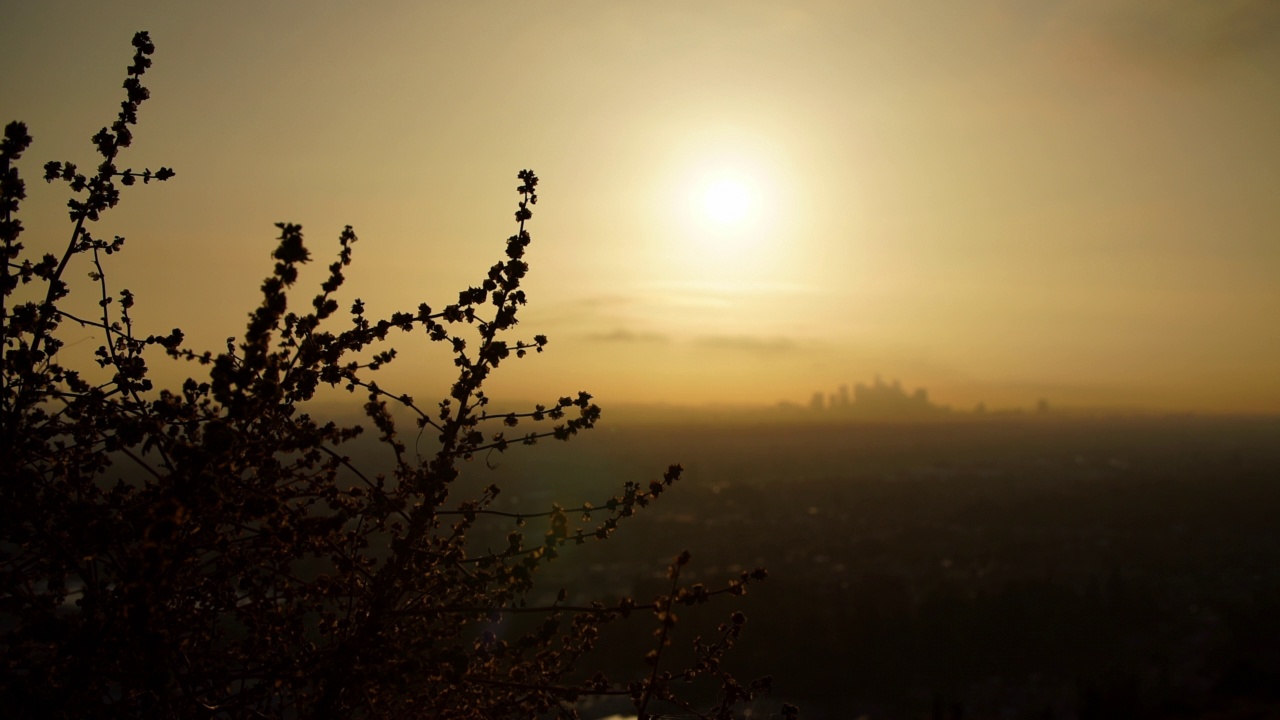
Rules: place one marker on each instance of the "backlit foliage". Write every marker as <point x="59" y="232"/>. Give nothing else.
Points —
<point x="212" y="551"/>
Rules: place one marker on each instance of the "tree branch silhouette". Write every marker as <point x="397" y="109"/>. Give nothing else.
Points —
<point x="211" y="550"/>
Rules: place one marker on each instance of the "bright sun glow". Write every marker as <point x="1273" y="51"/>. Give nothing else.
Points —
<point x="727" y="213"/>
<point x="727" y="201"/>
<point x="728" y="228"/>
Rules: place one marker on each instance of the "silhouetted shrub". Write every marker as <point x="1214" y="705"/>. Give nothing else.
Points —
<point x="210" y="551"/>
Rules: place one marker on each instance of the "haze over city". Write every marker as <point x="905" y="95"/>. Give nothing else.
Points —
<point x="741" y="202"/>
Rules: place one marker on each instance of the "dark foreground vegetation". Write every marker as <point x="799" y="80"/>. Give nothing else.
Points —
<point x="214" y="550"/>
<point x="1088" y="568"/>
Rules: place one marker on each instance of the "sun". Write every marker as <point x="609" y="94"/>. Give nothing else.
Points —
<point x="726" y="227"/>
<point x="727" y="201"/>
<point x="724" y="211"/>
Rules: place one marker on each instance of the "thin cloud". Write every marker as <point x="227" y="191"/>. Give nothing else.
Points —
<point x="748" y="344"/>
<point x="621" y="335"/>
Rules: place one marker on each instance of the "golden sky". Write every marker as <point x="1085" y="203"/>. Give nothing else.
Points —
<point x="999" y="200"/>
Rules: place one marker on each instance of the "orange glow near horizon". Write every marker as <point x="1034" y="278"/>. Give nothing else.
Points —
<point x="741" y="202"/>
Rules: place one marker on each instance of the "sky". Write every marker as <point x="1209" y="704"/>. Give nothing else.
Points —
<point x="741" y="202"/>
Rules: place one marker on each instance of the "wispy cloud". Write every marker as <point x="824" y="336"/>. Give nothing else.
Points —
<point x="581" y="309"/>
<point x="748" y="344"/>
<point x="621" y="335"/>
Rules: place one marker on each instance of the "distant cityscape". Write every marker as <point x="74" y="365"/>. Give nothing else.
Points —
<point x="888" y="401"/>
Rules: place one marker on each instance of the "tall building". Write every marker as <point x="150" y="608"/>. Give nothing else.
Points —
<point x="884" y="401"/>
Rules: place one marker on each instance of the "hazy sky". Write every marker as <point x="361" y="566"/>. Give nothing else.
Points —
<point x="741" y="201"/>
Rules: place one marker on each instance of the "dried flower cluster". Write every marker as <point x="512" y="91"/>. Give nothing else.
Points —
<point x="212" y="552"/>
